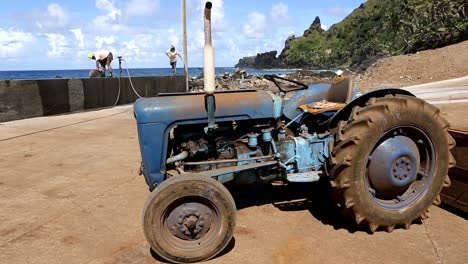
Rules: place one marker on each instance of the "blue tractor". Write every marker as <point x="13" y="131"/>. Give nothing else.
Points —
<point x="386" y="154"/>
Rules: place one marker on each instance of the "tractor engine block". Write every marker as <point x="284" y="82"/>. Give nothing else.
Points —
<point x="295" y="154"/>
<point x="306" y="152"/>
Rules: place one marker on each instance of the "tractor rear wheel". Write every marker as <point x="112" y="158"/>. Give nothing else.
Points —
<point x="390" y="160"/>
<point x="189" y="218"/>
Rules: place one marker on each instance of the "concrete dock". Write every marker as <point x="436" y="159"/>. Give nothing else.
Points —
<point x="70" y="193"/>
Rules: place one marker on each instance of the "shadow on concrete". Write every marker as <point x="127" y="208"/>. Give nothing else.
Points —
<point x="315" y="197"/>
<point x="454" y="210"/>
<point x="226" y="250"/>
<point x="157" y="257"/>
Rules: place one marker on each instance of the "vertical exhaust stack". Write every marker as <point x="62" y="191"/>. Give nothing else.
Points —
<point x="208" y="53"/>
<point x="209" y="71"/>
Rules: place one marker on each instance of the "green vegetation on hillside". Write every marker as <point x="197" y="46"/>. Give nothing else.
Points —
<point x="377" y="29"/>
<point x="383" y="28"/>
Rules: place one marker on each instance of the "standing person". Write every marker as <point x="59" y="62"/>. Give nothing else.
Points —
<point x="103" y="58"/>
<point x="172" y="53"/>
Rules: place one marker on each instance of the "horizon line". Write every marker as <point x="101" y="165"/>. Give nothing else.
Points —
<point x="113" y="68"/>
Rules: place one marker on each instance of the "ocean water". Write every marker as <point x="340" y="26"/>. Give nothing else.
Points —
<point x="83" y="73"/>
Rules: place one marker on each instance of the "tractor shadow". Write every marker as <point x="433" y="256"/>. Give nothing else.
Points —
<point x="315" y="197"/>
<point x="226" y="250"/>
<point x="454" y="210"/>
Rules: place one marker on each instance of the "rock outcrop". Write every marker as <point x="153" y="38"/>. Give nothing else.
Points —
<point x="315" y="26"/>
<point x="266" y="60"/>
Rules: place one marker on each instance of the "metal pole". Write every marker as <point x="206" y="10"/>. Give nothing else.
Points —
<point x="120" y="65"/>
<point x="184" y="29"/>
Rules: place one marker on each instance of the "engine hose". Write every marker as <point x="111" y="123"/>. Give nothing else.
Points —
<point x="273" y="146"/>
<point x="292" y="121"/>
<point x="181" y="156"/>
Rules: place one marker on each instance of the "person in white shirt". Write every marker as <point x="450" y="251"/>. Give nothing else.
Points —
<point x="172" y="53"/>
<point x="103" y="58"/>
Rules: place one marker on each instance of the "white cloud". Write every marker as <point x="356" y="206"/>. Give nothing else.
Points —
<point x="14" y="43"/>
<point x="58" y="44"/>
<point x="324" y="27"/>
<point x="142" y="7"/>
<point x="218" y="20"/>
<point x="195" y="45"/>
<point x="110" y="20"/>
<point x="157" y="42"/>
<point x="108" y="5"/>
<point x="54" y="18"/>
<point x="57" y="12"/>
<point x="217" y="16"/>
<point x="234" y="49"/>
<point x="199" y="40"/>
<point x="279" y="13"/>
<point x="337" y="11"/>
<point x="261" y="26"/>
<point x="173" y="39"/>
<point x="104" y="42"/>
<point x="130" y="49"/>
<point x="140" y="49"/>
<point x="146" y="41"/>
<point x="256" y="26"/>
<point x="79" y="37"/>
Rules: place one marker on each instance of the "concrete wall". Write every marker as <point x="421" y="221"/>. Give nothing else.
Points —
<point x="31" y="98"/>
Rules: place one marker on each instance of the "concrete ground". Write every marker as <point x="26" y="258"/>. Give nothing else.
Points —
<point x="70" y="193"/>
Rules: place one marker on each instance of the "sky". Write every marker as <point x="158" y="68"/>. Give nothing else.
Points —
<point x="58" y="34"/>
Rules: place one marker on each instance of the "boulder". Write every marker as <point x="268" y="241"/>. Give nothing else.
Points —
<point x="96" y="73"/>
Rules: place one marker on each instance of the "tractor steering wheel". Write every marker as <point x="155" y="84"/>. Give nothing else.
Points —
<point x="275" y="78"/>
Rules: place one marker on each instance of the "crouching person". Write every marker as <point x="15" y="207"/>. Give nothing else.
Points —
<point x="103" y="58"/>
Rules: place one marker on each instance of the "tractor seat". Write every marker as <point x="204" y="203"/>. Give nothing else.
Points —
<point x="339" y="94"/>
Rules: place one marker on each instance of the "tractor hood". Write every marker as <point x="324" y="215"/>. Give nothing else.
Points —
<point x="190" y="107"/>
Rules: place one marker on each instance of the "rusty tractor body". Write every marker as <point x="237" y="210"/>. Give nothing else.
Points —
<point x="457" y="195"/>
<point x="386" y="154"/>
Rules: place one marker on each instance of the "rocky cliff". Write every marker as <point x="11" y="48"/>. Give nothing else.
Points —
<point x="266" y="60"/>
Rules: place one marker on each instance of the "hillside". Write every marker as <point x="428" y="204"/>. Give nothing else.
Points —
<point x="376" y="29"/>
<point x="411" y="69"/>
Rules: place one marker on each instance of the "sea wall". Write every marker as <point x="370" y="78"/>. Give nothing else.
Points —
<point x="21" y="99"/>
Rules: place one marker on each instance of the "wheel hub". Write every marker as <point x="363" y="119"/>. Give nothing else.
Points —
<point x="402" y="168"/>
<point x="393" y="166"/>
<point x="189" y="221"/>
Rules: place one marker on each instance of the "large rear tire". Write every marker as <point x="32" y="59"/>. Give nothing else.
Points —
<point x="390" y="160"/>
<point x="189" y="218"/>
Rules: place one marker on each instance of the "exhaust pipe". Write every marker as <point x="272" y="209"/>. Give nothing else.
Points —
<point x="208" y="54"/>
<point x="209" y="71"/>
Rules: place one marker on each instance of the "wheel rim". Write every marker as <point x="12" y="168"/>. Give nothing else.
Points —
<point x="400" y="168"/>
<point x="190" y="223"/>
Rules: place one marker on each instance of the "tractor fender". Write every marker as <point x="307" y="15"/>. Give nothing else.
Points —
<point x="344" y="112"/>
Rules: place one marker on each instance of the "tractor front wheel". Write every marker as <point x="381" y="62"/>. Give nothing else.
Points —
<point x="189" y="218"/>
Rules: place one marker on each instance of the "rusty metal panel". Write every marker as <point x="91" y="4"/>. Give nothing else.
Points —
<point x="190" y="107"/>
<point x="457" y="194"/>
